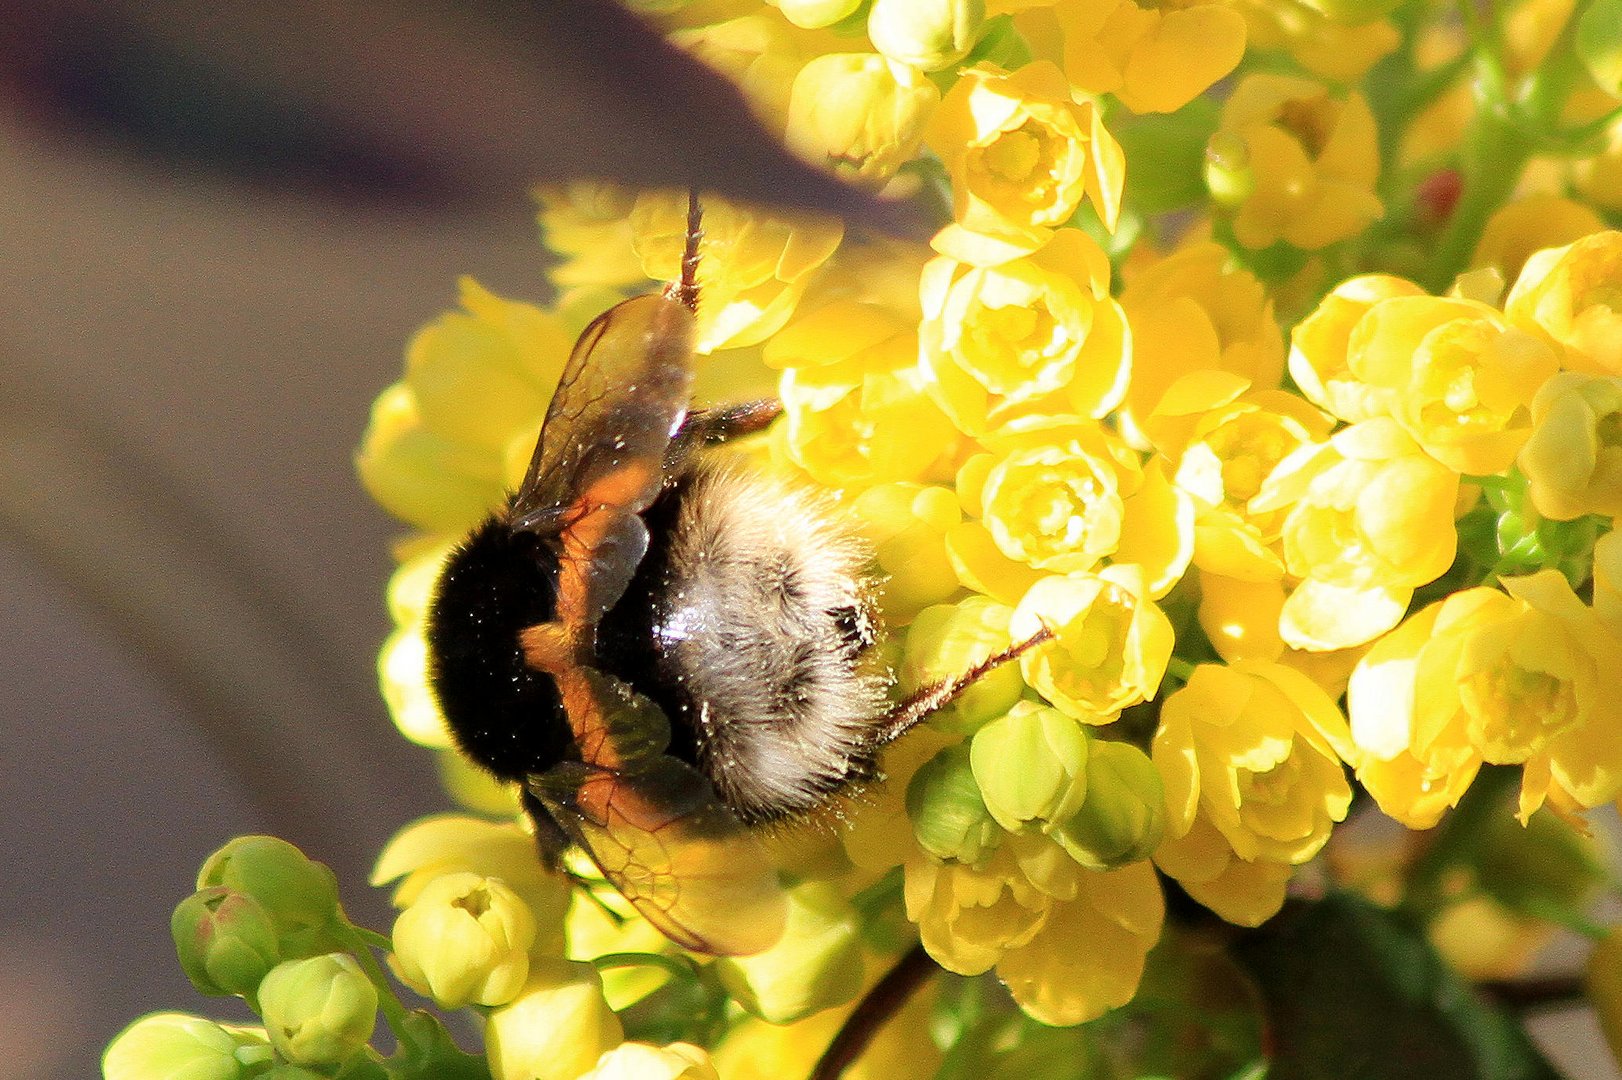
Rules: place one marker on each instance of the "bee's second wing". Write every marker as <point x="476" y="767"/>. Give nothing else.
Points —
<point x="656" y="829"/>
<point x="600" y="458"/>
<point x="677" y="854"/>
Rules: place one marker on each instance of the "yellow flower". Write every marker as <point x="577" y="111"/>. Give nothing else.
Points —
<point x="1313" y="159"/>
<point x="1054" y="499"/>
<point x="588" y="224"/>
<point x="859" y="114"/>
<point x="1152" y="59"/>
<point x="1197" y="310"/>
<point x="1325" y="42"/>
<point x="1257" y="749"/>
<point x="1413" y="779"/>
<point x="1069" y="943"/>
<point x="1456" y="375"/>
<point x="753" y="266"/>
<point x="1021" y="154"/>
<point x="815" y="14"/>
<point x="1224" y="442"/>
<point x="816" y="965"/>
<point x="556" y="1029"/>
<point x="464" y="940"/>
<point x="435" y="451"/>
<point x="907" y="525"/>
<point x="1570" y="293"/>
<point x="1030" y="766"/>
<point x="1110" y="646"/>
<point x="1319" y="347"/>
<point x="642" y="1061"/>
<point x="1573" y="459"/>
<point x="1204" y="863"/>
<point x="1370" y="518"/>
<point x="1598" y="179"/>
<point x="927" y="34"/>
<point x="1001" y="339"/>
<point x="1518" y="229"/>
<point x="760" y="53"/>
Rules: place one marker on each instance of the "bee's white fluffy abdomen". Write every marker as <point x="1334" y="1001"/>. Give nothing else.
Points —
<point x="766" y="620"/>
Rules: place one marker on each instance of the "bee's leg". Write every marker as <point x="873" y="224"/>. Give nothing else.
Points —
<point x="712" y="427"/>
<point x="907" y="713"/>
<point x="549" y="835"/>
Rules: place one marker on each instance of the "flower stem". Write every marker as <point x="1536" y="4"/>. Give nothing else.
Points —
<point x="1495" y="154"/>
<point x="1456" y="837"/>
<point x="394" y="1013"/>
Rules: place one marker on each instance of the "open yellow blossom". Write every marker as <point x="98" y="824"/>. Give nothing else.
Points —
<point x="1414" y="780"/>
<point x="859" y="114"/>
<point x="1111" y="642"/>
<point x="1570" y="293"/>
<point x="1225" y="441"/>
<point x="1257" y="748"/>
<point x="1035" y="332"/>
<point x="464" y="940"/>
<point x="1370" y="518"/>
<point x="1321" y="36"/>
<point x="1526" y="675"/>
<point x="1197" y="309"/>
<point x="1519" y="229"/>
<point x="1202" y="861"/>
<point x="1459" y="378"/>
<point x="1021" y="154"/>
<point x="1312" y="158"/>
<point x="1054" y="498"/>
<point x="589" y="225"/>
<point x="1153" y="59"/>
<point x="754" y="267"/>
<point x="1320" y="343"/>
<point x="1068" y="942"/>
<point x="1573" y="459"/>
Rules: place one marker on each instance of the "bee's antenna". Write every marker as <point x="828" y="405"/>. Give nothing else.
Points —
<point x="687" y="291"/>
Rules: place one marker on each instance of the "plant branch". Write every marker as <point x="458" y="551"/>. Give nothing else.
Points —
<point x="886" y="998"/>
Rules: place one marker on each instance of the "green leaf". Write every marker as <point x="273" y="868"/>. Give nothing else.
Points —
<point x="1350" y="990"/>
<point x="1599" y="43"/>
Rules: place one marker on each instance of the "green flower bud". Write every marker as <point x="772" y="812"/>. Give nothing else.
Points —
<point x="859" y="114"/>
<point x="1031" y="766"/>
<point x="177" y="1046"/>
<point x="1124" y="815"/>
<point x="226" y="941"/>
<point x="320" y="1010"/>
<point x="464" y="940"/>
<point x="300" y="895"/>
<point x="1228" y="174"/>
<point x="949" y="639"/>
<point x="815" y="14"/>
<point x="816" y="965"/>
<point x="556" y="1028"/>
<point x="948" y="814"/>
<point x="928" y="34"/>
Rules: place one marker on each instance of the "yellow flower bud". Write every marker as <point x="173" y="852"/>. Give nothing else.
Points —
<point x="859" y="115"/>
<point x="1031" y="766"/>
<point x="946" y="640"/>
<point x="816" y="965"/>
<point x="1007" y="337"/>
<point x="556" y="1029"/>
<point x="948" y="811"/>
<point x="640" y="1061"/>
<point x="1457" y="376"/>
<point x="907" y="524"/>
<point x="1256" y="748"/>
<point x="463" y="941"/>
<point x="1021" y="154"/>
<point x="1314" y="158"/>
<point x="1123" y="817"/>
<point x="1568" y="293"/>
<point x="1111" y="643"/>
<point x="927" y="34"/>
<point x="1319" y="346"/>
<point x="1573" y="459"/>
<point x="1152" y="59"/>
<point x="163" y="1046"/>
<point x="318" y="1011"/>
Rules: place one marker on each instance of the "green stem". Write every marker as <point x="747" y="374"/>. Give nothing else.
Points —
<point x="1495" y="154"/>
<point x="394" y="1012"/>
<point x="1180" y="669"/>
<point x="677" y="967"/>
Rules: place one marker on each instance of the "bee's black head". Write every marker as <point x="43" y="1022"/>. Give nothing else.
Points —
<point x="504" y="714"/>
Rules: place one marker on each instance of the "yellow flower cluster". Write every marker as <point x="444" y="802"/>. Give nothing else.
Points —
<point x="1047" y="422"/>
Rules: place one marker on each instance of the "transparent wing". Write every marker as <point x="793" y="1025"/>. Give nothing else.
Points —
<point x="600" y="458"/>
<point x="657" y="831"/>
